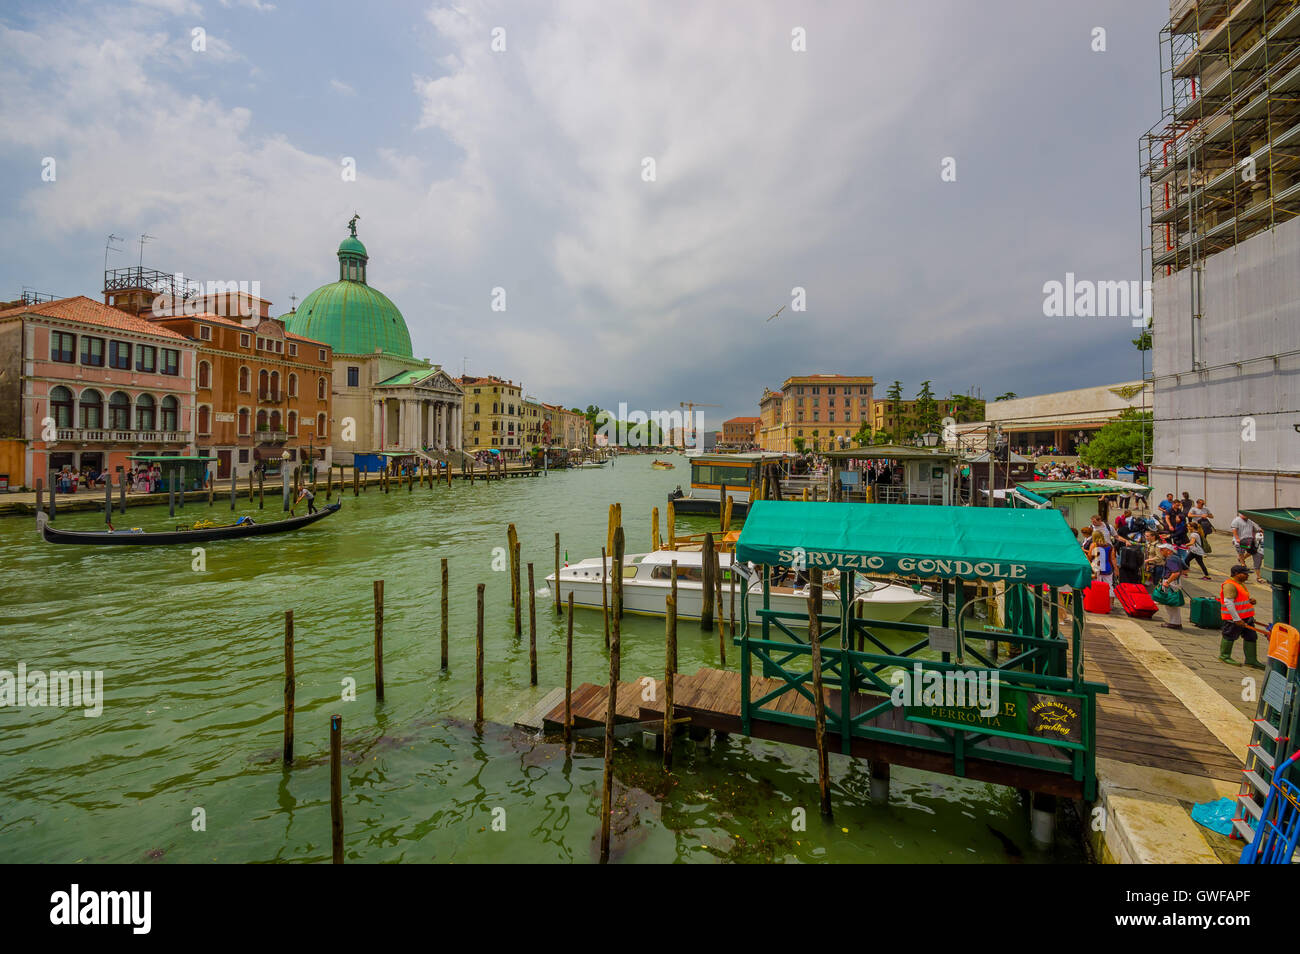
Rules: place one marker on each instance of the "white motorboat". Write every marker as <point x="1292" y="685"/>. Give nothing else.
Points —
<point x="647" y="580"/>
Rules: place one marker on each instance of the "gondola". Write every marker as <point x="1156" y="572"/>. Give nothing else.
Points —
<point x="201" y="535"/>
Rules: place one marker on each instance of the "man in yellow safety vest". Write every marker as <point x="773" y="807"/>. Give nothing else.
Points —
<point x="1237" y="610"/>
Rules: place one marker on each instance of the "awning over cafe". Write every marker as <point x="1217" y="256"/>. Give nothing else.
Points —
<point x="971" y="543"/>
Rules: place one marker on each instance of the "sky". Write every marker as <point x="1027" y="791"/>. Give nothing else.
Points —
<point x="646" y="182"/>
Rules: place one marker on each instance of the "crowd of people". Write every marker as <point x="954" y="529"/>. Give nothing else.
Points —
<point x="139" y="480"/>
<point x="1161" y="548"/>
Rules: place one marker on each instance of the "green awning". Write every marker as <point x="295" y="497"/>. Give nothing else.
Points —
<point x="1047" y="489"/>
<point x="971" y="543"/>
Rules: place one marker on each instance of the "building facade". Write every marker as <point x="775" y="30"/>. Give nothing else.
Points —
<point x="85" y="385"/>
<point x="817" y="412"/>
<point x="493" y="416"/>
<point x="903" y="420"/>
<point x="1221" y="200"/>
<point x="741" y="433"/>
<point x="1053" y="424"/>
<point x="260" y="392"/>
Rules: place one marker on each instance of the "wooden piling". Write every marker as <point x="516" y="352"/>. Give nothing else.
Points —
<point x="512" y="536"/>
<point x="121" y="497"/>
<point x="444" y="614"/>
<point x="250" y="485"/>
<point x="556" y="587"/>
<point x="336" y="787"/>
<point x="261" y="497"/>
<point x="234" y="490"/>
<point x="617" y="599"/>
<point x="568" y="680"/>
<point x="478" y="661"/>
<point x="108" y="497"/>
<point x="40" y="494"/>
<point x="819" y="706"/>
<point x="604" y="600"/>
<point x="672" y="586"/>
<point x="329" y="484"/>
<point x="672" y="526"/>
<point x="670" y="668"/>
<point x="54" y="489"/>
<point x="706" y="590"/>
<point x="211" y="487"/>
<point x="722" y="624"/>
<point x="171" y="493"/>
<point x="290" y="686"/>
<point x="379" y="640"/>
<point x="654" y="529"/>
<point x="532" y="628"/>
<point x="356" y="480"/>
<point x="611" y="705"/>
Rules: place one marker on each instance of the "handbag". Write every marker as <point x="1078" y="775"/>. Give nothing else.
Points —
<point x="1168" y="596"/>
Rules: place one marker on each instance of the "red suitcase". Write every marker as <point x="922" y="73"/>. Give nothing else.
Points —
<point x="1096" y="598"/>
<point x="1136" y="600"/>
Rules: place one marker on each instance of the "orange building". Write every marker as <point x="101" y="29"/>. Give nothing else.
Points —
<point x="259" y="391"/>
<point x="740" y="432"/>
<point x="815" y="412"/>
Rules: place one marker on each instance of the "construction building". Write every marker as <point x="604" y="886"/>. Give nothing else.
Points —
<point x="1221" y="242"/>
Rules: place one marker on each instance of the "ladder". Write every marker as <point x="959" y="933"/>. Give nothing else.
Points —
<point x="1272" y="740"/>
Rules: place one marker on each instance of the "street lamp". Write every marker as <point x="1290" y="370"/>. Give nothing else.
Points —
<point x="930" y="439"/>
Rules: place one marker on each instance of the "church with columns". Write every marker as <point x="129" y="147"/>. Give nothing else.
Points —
<point x="385" y="399"/>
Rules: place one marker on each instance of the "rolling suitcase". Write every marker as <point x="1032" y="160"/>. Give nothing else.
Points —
<point x="1096" y="598"/>
<point x="1205" y="613"/>
<point x="1135" y="600"/>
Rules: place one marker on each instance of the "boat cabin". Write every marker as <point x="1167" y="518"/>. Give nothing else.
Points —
<point x="893" y="474"/>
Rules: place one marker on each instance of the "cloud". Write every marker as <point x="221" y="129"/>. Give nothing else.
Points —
<point x="342" y="87"/>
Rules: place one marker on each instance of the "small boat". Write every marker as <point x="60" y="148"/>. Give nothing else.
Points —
<point x="663" y="465"/>
<point x="647" y="580"/>
<point x="199" y="533"/>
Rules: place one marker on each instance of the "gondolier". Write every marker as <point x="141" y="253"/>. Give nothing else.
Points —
<point x="1237" y="610"/>
<point x="305" y="494"/>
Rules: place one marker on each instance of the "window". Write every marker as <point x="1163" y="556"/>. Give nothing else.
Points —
<point x="275" y="384"/>
<point x="293" y="385"/>
<point x="354" y="377"/>
<point x="119" y="355"/>
<point x="320" y="389"/>
<point x="119" y="412"/>
<point x="320" y="426"/>
<point x="322" y="354"/>
<point x="205" y="415"/>
<point x="92" y="408"/>
<point x="146" y="357"/>
<point x="205" y="333"/>
<point x="205" y="375"/>
<point x="61" y="407"/>
<point x="275" y="420"/>
<point x="171" y="361"/>
<point x="261" y="383"/>
<point x="243" y="453"/>
<point x="63" y="346"/>
<point x="92" y="352"/>
<point x="243" y="431"/>
<point x="144" y="412"/>
<point x="279" y="347"/>
<point x="293" y="349"/>
<point x="245" y="341"/>
<point x="293" y="423"/>
<point x="244" y="382"/>
<point x="170" y="409"/>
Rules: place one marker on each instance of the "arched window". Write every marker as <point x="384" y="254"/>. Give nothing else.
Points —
<point x="261" y="420"/>
<point x="293" y="385"/>
<point x="205" y="375"/>
<point x="205" y="416"/>
<point x="119" y="412"/>
<point x="92" y="408"/>
<point x="275" y="383"/>
<point x="261" y="383"/>
<point x="243" y="421"/>
<point x="170" y="409"/>
<point x="320" y="389"/>
<point x="293" y="423"/>
<point x="244" y="379"/>
<point x="320" y="426"/>
<point x="144" y="413"/>
<point x="275" y="420"/>
<point x="61" y="406"/>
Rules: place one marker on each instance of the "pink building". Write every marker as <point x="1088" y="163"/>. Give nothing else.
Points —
<point x="84" y="385"/>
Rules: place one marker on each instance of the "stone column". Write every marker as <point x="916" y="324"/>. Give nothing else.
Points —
<point x="378" y="436"/>
<point x="454" y="437"/>
<point x="440" y="409"/>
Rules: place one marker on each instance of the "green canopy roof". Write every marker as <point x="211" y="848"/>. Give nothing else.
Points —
<point x="1047" y="489"/>
<point x="973" y="543"/>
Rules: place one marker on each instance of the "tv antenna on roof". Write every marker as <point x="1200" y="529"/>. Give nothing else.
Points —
<point x="144" y="238"/>
<point x="108" y="246"/>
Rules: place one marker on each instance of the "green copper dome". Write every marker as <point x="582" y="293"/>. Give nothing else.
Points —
<point x="349" y="315"/>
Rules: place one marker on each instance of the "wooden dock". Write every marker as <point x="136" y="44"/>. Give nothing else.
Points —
<point x="710" y="699"/>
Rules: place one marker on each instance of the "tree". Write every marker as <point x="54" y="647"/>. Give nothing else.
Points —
<point x="927" y="411"/>
<point x="1143" y="341"/>
<point x="1008" y="396"/>
<point x="799" y="444"/>
<point x="863" y="437"/>
<point x="1120" y="442"/>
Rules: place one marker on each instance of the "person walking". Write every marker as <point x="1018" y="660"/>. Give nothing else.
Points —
<point x="1171" y="582"/>
<point x="1201" y="516"/>
<point x="1196" y="550"/>
<point x="1245" y="537"/>
<point x="1237" y="611"/>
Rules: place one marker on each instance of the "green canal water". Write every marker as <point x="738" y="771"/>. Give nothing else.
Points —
<point x="193" y="681"/>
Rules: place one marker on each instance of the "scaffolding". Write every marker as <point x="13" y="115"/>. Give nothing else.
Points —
<point x="1223" y="162"/>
